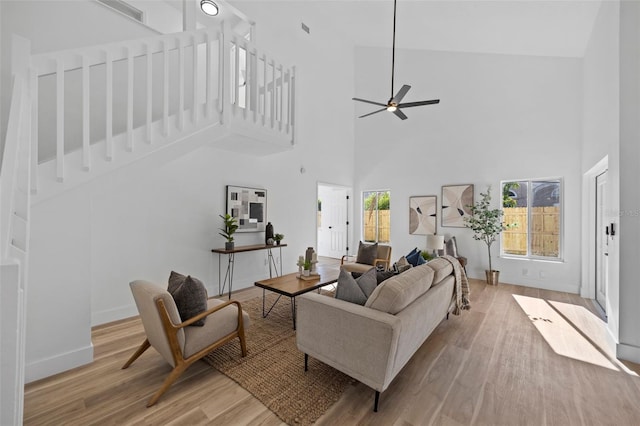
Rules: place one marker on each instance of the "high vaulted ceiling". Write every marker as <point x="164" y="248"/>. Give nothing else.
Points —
<point x="527" y="27"/>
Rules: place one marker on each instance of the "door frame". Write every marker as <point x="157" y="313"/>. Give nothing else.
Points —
<point x="349" y="191"/>
<point x="588" y="286"/>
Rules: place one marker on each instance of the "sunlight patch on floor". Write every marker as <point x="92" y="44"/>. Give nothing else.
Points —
<point x="570" y="331"/>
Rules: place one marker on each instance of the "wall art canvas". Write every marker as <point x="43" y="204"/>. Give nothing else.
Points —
<point x="249" y="206"/>
<point x="456" y="200"/>
<point x="422" y="215"/>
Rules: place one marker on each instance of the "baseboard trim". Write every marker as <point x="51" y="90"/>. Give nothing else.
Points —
<point x="48" y="367"/>
<point x="111" y="315"/>
<point x="628" y="352"/>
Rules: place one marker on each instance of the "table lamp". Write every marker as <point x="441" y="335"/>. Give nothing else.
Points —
<point x="435" y="243"/>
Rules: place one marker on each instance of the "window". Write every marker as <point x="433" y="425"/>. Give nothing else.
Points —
<point x="534" y="206"/>
<point x="376" y="219"/>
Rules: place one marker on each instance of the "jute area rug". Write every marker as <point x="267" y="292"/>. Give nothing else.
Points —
<point x="273" y="370"/>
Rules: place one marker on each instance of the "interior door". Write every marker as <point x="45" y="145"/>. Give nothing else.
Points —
<point x="332" y="221"/>
<point x="602" y="241"/>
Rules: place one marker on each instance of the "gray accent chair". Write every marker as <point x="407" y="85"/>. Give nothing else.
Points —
<point x="179" y="344"/>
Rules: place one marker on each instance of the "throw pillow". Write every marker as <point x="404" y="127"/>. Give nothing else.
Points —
<point x="190" y="296"/>
<point x="413" y="256"/>
<point x="401" y="265"/>
<point x="421" y="260"/>
<point x="367" y="253"/>
<point x="380" y="275"/>
<point x="355" y="290"/>
<point x="451" y="247"/>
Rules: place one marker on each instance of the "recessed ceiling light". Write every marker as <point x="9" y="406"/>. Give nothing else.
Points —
<point x="209" y="7"/>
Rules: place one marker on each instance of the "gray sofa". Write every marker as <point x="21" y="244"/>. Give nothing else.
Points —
<point x="372" y="343"/>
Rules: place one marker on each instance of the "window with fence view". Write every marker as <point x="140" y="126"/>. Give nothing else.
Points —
<point x="376" y="219"/>
<point x="534" y="207"/>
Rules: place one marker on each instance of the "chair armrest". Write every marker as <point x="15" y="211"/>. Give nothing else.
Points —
<point x="348" y="258"/>
<point x="383" y="261"/>
<point x="211" y="311"/>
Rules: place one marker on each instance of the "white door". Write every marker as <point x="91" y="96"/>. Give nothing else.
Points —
<point x="332" y="220"/>
<point x="602" y="241"/>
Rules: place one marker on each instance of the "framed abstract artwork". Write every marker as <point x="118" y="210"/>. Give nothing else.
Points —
<point x="422" y="215"/>
<point x="249" y="206"/>
<point x="456" y="200"/>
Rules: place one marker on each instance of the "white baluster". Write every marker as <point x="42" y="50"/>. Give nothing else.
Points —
<point x="34" y="130"/>
<point x="86" y="88"/>
<point x="130" y="99"/>
<point x="195" y="80"/>
<point x="149" y="92"/>
<point x="59" y="120"/>
<point x="109" y="106"/>
<point x="181" y="84"/>
<point x="165" y="90"/>
<point x="209" y="99"/>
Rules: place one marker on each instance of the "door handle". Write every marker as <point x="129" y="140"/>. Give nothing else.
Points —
<point x="331" y="227"/>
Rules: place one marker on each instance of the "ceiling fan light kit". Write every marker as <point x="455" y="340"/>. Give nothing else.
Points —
<point x="394" y="104"/>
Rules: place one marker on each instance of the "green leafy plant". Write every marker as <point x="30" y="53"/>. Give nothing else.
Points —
<point x="426" y="255"/>
<point x="278" y="237"/>
<point x="507" y="200"/>
<point x="230" y="227"/>
<point x="485" y="222"/>
<point x="307" y="265"/>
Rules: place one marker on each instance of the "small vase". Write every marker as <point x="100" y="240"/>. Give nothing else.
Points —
<point x="228" y="245"/>
<point x="306" y="272"/>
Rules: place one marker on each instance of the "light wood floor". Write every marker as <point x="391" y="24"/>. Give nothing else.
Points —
<point x="515" y="358"/>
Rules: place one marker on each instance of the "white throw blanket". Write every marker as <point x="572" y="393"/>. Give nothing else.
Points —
<point x="461" y="287"/>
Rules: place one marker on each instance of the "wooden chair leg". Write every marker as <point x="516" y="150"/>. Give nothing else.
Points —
<point x="143" y="347"/>
<point x="243" y="344"/>
<point x="173" y="376"/>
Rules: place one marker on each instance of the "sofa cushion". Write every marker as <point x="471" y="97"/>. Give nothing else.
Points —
<point x="190" y="296"/>
<point x="367" y="253"/>
<point x="398" y="292"/>
<point x="356" y="290"/>
<point x="441" y="267"/>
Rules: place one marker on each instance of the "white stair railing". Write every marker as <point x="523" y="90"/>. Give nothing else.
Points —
<point x="112" y="100"/>
<point x="15" y="210"/>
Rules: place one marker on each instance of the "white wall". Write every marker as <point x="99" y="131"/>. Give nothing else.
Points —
<point x="629" y="230"/>
<point x="500" y="117"/>
<point x="601" y="138"/>
<point x="160" y="214"/>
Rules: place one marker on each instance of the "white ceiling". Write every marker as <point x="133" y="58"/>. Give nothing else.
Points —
<point x="527" y="27"/>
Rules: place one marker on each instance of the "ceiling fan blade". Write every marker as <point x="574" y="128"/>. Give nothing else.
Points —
<point x="374" y="112"/>
<point x="401" y="93"/>
<point x="369" y="102"/>
<point x="415" y="104"/>
<point x="400" y="114"/>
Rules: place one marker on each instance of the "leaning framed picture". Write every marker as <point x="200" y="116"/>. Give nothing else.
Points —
<point x="456" y="200"/>
<point x="249" y="206"/>
<point x="422" y="215"/>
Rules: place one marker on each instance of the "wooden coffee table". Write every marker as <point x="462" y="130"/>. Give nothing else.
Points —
<point x="291" y="286"/>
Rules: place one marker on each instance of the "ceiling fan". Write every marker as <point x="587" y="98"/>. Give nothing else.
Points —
<point x="394" y="104"/>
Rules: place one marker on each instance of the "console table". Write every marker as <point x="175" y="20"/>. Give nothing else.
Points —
<point x="231" y="255"/>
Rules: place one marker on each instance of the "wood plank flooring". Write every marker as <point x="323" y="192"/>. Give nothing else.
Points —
<point x="493" y="365"/>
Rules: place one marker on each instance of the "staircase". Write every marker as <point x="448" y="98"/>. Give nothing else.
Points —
<point x="77" y="115"/>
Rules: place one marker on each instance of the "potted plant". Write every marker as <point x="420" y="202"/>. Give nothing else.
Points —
<point x="230" y="227"/>
<point x="487" y="224"/>
<point x="307" y="268"/>
<point x="278" y="238"/>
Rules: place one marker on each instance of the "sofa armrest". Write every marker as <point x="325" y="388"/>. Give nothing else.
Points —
<point x="361" y="342"/>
